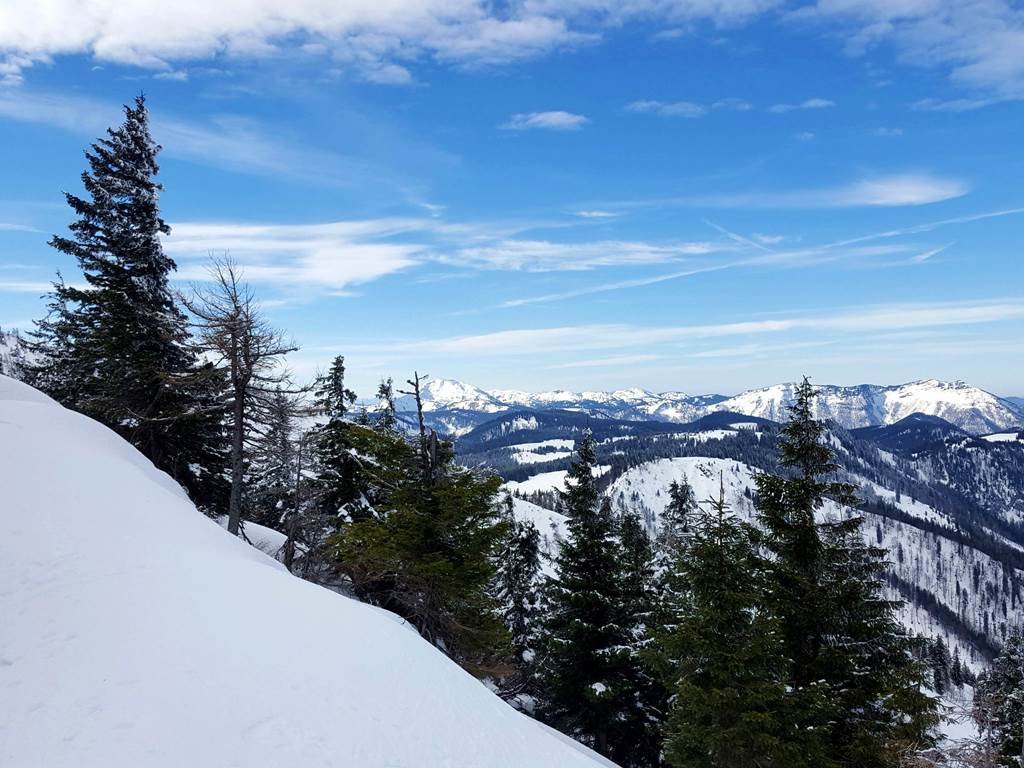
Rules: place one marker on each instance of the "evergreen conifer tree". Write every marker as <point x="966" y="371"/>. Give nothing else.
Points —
<point x="956" y="672"/>
<point x="117" y="348"/>
<point x="729" y="680"/>
<point x="677" y="520"/>
<point x="517" y="585"/>
<point x="999" y="701"/>
<point x="585" y="658"/>
<point x="637" y="737"/>
<point x="425" y="543"/>
<point x="339" y="484"/>
<point x="938" y="660"/>
<point x="855" y="688"/>
<point x="671" y="550"/>
<point x="274" y="464"/>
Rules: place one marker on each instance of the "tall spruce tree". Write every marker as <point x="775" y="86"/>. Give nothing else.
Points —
<point x="585" y="655"/>
<point x="116" y="349"/>
<point x="671" y="546"/>
<point x="855" y="687"/>
<point x="274" y="463"/>
<point x="340" y="488"/>
<point x="637" y="736"/>
<point x="517" y="585"/>
<point x="729" y="671"/>
<point x="999" y="701"/>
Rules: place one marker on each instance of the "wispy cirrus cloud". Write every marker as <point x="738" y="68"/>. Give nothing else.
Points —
<point x="689" y="109"/>
<point x="848" y="320"/>
<point x="333" y="257"/>
<point x="548" y="256"/>
<point x="930" y="226"/>
<point x="667" y="108"/>
<point x="330" y="257"/>
<point x="816" y="103"/>
<point x="891" y="190"/>
<point x="763" y="258"/>
<point x="604" y="362"/>
<point x="224" y="141"/>
<point x="598" y="214"/>
<point x="25" y="286"/>
<point x="885" y="190"/>
<point x="556" y="120"/>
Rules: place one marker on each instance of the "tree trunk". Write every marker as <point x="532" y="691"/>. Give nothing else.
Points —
<point x="293" y="518"/>
<point x="237" y="449"/>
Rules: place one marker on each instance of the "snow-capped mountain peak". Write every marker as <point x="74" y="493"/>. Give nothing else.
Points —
<point x="451" y="394"/>
<point x="958" y="402"/>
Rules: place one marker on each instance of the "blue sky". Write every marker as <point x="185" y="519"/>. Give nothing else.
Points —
<point x="705" y="195"/>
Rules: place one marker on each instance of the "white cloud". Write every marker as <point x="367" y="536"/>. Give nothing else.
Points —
<point x="763" y="258"/>
<point x="375" y="39"/>
<point x="552" y="121"/>
<point x="603" y="362"/>
<point x="805" y="136"/>
<point x="806" y="104"/>
<point x="888" y="132"/>
<point x="927" y="227"/>
<point x="733" y="104"/>
<point x="367" y="35"/>
<point x="228" y="142"/>
<point x="668" y="108"/>
<point x="547" y="256"/>
<point x="25" y="286"/>
<point x="959" y="105"/>
<point x="904" y="189"/>
<point x="890" y="190"/>
<point x="179" y="75"/>
<point x="854" y="321"/>
<point x="328" y="257"/>
<point x="979" y="41"/>
<point x="618" y="285"/>
<point x="594" y="214"/>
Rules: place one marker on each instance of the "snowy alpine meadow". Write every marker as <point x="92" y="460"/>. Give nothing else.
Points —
<point x="138" y="632"/>
<point x="511" y="384"/>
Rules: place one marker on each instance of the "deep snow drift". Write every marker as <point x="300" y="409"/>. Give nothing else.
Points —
<point x="135" y="631"/>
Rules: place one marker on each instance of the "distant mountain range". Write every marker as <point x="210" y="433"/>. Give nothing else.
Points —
<point x="947" y="504"/>
<point x="455" y="407"/>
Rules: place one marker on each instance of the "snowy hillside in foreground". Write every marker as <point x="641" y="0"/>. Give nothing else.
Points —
<point x="457" y="407"/>
<point x="136" y="632"/>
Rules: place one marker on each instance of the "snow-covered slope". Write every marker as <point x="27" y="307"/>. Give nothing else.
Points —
<point x="459" y="407"/>
<point x="136" y="632"/>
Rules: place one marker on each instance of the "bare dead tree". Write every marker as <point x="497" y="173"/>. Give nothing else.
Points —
<point x="428" y="439"/>
<point x="233" y="332"/>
